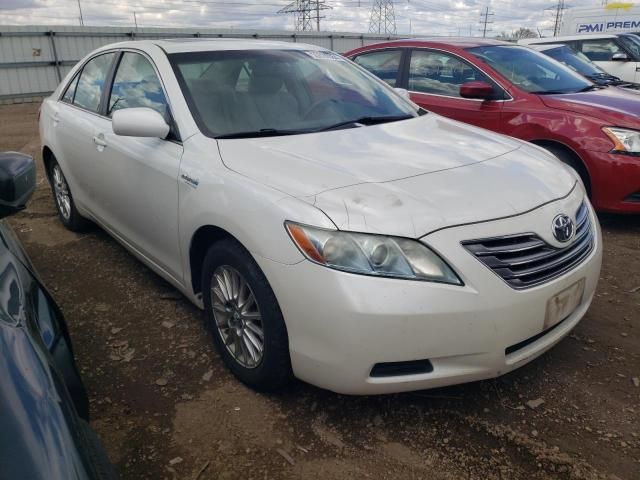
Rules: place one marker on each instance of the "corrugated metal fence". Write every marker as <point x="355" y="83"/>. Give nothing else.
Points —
<point x="33" y="59"/>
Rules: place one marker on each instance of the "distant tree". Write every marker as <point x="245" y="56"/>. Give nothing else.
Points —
<point x="523" y="32"/>
<point x="516" y="35"/>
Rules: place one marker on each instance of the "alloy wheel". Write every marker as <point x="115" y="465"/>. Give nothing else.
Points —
<point x="237" y="316"/>
<point x="61" y="190"/>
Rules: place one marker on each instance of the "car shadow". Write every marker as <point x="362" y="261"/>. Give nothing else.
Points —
<point x="619" y="223"/>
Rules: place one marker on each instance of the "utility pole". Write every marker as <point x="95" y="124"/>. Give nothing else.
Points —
<point x="383" y="17"/>
<point x="559" y="12"/>
<point x="303" y="11"/>
<point x="484" y="21"/>
<point x="135" y="20"/>
<point x="81" y="19"/>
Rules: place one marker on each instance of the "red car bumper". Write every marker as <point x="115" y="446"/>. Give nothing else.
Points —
<point x="615" y="182"/>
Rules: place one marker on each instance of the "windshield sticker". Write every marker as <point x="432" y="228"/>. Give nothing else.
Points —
<point x="325" y="55"/>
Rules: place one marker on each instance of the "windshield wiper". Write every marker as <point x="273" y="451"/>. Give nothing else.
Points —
<point x="589" y="88"/>
<point x="562" y="92"/>
<point x="264" y="132"/>
<point x="367" y="121"/>
<point x="549" y="92"/>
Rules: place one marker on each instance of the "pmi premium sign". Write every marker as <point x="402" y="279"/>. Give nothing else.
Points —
<point x="624" y="25"/>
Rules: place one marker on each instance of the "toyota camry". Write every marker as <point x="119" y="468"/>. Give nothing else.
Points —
<point x="331" y="229"/>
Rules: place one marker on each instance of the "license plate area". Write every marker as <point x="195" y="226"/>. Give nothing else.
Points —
<point x="563" y="304"/>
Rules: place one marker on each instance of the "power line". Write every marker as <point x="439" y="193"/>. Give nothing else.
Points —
<point x="383" y="18"/>
<point x="484" y="21"/>
<point x="305" y="11"/>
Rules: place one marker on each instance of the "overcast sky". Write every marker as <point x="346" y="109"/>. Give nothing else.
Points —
<point x="422" y="17"/>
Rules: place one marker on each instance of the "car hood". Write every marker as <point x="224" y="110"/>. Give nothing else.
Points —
<point x="404" y="178"/>
<point x="616" y="106"/>
<point x="303" y="165"/>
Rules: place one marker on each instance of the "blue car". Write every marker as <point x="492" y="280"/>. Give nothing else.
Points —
<point x="44" y="409"/>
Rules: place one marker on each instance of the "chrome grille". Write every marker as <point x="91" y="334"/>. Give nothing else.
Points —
<point x="525" y="260"/>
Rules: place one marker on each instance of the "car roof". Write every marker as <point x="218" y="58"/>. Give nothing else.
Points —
<point x="546" y="46"/>
<point x="180" y="45"/>
<point x="460" y="42"/>
<point x="526" y="41"/>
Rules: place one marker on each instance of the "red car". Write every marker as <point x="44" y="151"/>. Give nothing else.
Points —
<point x="514" y="90"/>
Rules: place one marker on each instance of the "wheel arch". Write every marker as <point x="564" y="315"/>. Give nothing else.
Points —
<point x="201" y="241"/>
<point x="47" y="157"/>
<point x="569" y="154"/>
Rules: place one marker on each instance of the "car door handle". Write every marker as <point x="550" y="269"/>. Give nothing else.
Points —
<point x="100" y="142"/>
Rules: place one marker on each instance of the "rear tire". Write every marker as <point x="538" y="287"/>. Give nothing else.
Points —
<point x="570" y="160"/>
<point x="244" y="317"/>
<point x="66" y="207"/>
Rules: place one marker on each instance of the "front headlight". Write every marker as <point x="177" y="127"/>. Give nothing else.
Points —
<point x="625" y="141"/>
<point x="371" y="254"/>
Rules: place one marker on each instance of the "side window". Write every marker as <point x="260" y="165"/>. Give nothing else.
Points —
<point x="92" y="78"/>
<point x="631" y="43"/>
<point x="599" y="50"/>
<point x="384" y="64"/>
<point x="71" y="90"/>
<point x="441" y="74"/>
<point x="136" y="84"/>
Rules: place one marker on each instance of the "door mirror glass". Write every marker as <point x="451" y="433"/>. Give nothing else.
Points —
<point x="477" y="90"/>
<point x="139" y="122"/>
<point x="620" y="57"/>
<point x="17" y="182"/>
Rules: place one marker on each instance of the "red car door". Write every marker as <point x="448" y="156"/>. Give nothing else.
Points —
<point x="434" y="78"/>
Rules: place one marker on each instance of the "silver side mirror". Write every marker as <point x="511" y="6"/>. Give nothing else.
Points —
<point x="139" y="122"/>
<point x="620" y="57"/>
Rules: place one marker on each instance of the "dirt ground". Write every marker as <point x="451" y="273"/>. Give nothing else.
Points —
<point x="166" y="408"/>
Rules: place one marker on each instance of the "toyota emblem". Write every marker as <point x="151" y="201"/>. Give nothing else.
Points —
<point x="563" y="228"/>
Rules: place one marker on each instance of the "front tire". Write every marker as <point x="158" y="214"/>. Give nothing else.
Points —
<point x="66" y="207"/>
<point x="244" y="317"/>
<point x="574" y="163"/>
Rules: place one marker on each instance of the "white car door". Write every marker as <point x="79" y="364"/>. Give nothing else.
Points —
<point x="627" y="70"/>
<point x="136" y="179"/>
<point x="75" y="119"/>
<point x="611" y="56"/>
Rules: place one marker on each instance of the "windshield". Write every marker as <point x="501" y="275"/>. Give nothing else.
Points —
<point x="271" y="92"/>
<point x="531" y="71"/>
<point x="632" y="43"/>
<point x="577" y="61"/>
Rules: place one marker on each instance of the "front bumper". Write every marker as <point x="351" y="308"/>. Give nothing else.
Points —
<point x="614" y="179"/>
<point x="340" y="325"/>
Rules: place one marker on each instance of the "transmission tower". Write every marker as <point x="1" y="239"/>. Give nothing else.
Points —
<point x="383" y="17"/>
<point x="307" y="13"/>
<point x="484" y="21"/>
<point x="559" y="13"/>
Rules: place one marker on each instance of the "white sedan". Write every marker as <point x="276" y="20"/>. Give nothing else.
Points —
<point x="330" y="229"/>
